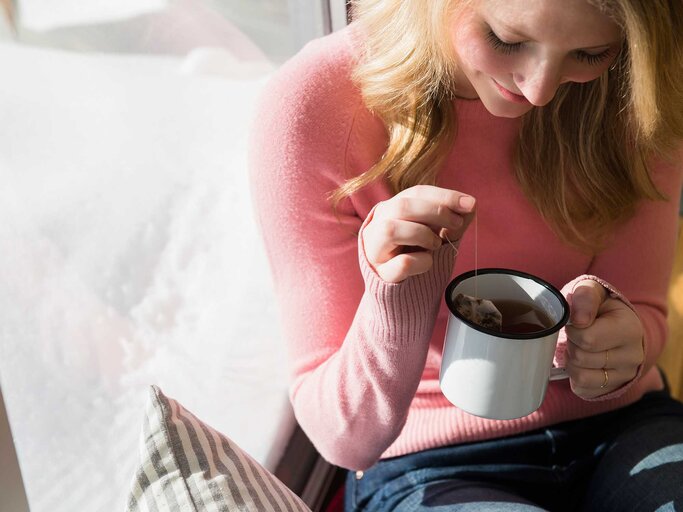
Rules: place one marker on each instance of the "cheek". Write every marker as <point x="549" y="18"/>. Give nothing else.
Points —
<point x="495" y="64"/>
<point x="476" y="54"/>
<point x="581" y="72"/>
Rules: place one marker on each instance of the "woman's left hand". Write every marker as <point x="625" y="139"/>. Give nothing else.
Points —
<point x="604" y="341"/>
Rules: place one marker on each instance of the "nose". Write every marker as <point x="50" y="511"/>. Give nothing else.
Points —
<point x="539" y="82"/>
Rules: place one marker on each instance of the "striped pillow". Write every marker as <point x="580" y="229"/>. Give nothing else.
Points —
<point x="188" y="466"/>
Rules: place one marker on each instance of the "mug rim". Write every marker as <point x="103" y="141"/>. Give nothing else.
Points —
<point x="497" y="334"/>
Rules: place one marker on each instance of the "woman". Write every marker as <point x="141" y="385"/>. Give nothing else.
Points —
<point x="555" y="126"/>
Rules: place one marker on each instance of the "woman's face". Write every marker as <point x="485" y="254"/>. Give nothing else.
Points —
<point x="514" y="54"/>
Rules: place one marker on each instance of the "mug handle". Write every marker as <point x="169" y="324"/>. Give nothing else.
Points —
<point x="558" y="373"/>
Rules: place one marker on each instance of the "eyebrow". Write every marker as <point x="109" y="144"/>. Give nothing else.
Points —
<point x="527" y="38"/>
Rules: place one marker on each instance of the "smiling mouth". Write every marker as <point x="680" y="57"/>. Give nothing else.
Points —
<point x="509" y="95"/>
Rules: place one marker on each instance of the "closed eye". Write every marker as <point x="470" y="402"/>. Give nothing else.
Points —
<point x="581" y="55"/>
<point x="501" y="46"/>
<point x="593" y="59"/>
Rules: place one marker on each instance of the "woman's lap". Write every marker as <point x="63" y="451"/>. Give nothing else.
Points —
<point x="641" y="471"/>
<point x="631" y="459"/>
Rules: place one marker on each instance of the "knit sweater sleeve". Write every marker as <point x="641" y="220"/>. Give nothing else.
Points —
<point x="636" y="266"/>
<point x="357" y="345"/>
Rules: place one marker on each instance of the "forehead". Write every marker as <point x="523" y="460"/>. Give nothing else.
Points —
<point x="564" y="23"/>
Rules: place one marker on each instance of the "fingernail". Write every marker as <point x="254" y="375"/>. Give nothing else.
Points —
<point x="466" y="202"/>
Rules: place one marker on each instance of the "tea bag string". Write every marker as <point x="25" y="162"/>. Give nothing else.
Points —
<point x="476" y="256"/>
<point x="452" y="244"/>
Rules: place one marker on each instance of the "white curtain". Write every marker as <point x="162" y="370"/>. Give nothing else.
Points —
<point x="50" y="14"/>
<point x="276" y="29"/>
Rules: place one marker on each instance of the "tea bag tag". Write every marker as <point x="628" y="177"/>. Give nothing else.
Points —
<point x="479" y="311"/>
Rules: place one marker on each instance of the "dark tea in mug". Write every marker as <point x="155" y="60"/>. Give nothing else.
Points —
<point x="521" y="317"/>
<point x="485" y="375"/>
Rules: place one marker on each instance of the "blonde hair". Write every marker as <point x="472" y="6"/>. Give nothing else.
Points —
<point x="582" y="160"/>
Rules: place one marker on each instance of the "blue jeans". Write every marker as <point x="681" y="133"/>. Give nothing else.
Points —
<point x="625" y="460"/>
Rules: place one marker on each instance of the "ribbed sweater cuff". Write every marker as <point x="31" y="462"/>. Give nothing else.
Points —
<point x="407" y="310"/>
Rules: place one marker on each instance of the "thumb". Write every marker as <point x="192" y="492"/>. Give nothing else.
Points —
<point x="585" y="301"/>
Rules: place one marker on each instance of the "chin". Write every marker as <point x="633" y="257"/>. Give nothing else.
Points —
<point x="500" y="108"/>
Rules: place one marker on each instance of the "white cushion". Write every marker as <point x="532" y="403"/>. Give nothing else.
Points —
<point x="129" y="257"/>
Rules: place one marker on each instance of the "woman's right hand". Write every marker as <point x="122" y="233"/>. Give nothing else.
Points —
<point x="404" y="230"/>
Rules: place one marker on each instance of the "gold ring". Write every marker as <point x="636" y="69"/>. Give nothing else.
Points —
<point x="606" y="358"/>
<point x="604" y="384"/>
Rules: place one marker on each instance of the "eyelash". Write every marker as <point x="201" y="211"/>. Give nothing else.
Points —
<point x="593" y="60"/>
<point x="500" y="45"/>
<point x="509" y="48"/>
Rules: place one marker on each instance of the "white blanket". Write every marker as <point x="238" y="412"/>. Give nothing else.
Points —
<point x="128" y="256"/>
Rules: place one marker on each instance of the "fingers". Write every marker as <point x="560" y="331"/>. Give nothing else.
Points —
<point x="615" y="325"/>
<point x="594" y="383"/>
<point x="405" y="265"/>
<point x="451" y="199"/>
<point x="420" y="210"/>
<point x="586" y="369"/>
<point x="450" y="209"/>
<point x="585" y="301"/>
<point x="414" y="219"/>
<point x="608" y="358"/>
<point x="389" y="234"/>
<point x="605" y="355"/>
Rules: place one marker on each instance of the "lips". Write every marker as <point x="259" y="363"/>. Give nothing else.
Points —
<point x="509" y="95"/>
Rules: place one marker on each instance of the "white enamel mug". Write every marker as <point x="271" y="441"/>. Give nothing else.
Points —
<point x="497" y="375"/>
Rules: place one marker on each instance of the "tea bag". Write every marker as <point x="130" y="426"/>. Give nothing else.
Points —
<point x="479" y="311"/>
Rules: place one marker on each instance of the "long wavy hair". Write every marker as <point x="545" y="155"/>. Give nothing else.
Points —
<point x="582" y="160"/>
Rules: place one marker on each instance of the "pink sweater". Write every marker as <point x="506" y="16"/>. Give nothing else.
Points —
<point x="365" y="354"/>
